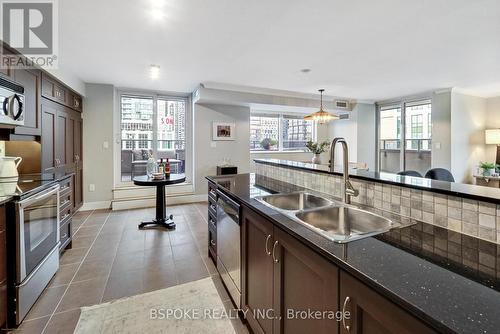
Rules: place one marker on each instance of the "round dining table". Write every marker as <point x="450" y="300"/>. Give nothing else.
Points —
<point x="161" y="219"/>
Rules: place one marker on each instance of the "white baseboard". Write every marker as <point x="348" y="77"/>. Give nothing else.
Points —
<point x="87" y="206"/>
<point x="147" y="202"/>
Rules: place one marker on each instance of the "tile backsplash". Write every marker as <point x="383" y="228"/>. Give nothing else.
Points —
<point x="470" y="217"/>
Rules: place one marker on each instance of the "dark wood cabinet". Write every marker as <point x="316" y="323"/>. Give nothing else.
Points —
<point x="57" y="92"/>
<point x="78" y="158"/>
<point x="55" y="129"/>
<point x="66" y="210"/>
<point x="30" y="80"/>
<point x="284" y="276"/>
<point x="371" y="313"/>
<point x="283" y="279"/>
<point x="48" y="140"/>
<point x="304" y="282"/>
<point x="257" y="271"/>
<point x="3" y="268"/>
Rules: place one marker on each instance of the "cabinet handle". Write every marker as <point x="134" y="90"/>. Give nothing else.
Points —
<point x="274" y="249"/>
<point x="346" y="301"/>
<point x="267" y="241"/>
<point x="212" y="242"/>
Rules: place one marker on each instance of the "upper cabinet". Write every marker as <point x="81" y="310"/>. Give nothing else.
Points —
<point x="30" y="80"/>
<point x="55" y="91"/>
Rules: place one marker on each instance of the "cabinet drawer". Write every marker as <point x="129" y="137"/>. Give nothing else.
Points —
<point x="212" y="209"/>
<point x="212" y="222"/>
<point x="65" y="214"/>
<point x="212" y="242"/>
<point x="65" y="232"/>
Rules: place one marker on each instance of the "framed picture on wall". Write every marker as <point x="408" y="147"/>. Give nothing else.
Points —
<point x="223" y="131"/>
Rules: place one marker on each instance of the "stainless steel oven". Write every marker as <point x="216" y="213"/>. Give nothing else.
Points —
<point x="228" y="245"/>
<point x="37" y="247"/>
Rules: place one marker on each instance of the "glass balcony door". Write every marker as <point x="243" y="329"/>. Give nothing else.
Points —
<point x="405" y="145"/>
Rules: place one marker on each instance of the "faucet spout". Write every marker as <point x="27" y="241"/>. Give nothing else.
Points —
<point x="348" y="190"/>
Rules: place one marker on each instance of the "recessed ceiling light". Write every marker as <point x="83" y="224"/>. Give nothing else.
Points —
<point x="154" y="71"/>
<point x="157" y="14"/>
<point x="305" y="70"/>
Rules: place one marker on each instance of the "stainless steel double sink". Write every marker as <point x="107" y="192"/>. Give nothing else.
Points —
<point x="334" y="220"/>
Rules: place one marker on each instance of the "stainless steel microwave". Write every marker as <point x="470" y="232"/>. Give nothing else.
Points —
<point x="11" y="104"/>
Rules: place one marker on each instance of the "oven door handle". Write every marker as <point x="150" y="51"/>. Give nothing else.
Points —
<point x="30" y="200"/>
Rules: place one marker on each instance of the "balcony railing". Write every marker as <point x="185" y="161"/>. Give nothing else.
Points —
<point x="411" y="145"/>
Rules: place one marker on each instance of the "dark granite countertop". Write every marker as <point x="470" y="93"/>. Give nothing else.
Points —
<point x="449" y="280"/>
<point x="480" y="193"/>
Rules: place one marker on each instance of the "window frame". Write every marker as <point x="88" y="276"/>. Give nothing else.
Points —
<point x="281" y="116"/>
<point x="402" y="103"/>
<point x="188" y="141"/>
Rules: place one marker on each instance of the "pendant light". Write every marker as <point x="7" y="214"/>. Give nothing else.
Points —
<point x="321" y="116"/>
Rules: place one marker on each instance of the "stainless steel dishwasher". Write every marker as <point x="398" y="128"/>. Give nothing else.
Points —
<point x="228" y="245"/>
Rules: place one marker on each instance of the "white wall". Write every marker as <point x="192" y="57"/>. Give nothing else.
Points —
<point x="493" y="122"/>
<point x="359" y="132"/>
<point x="441" y="130"/>
<point x="97" y="128"/>
<point x="207" y="157"/>
<point x="468" y="121"/>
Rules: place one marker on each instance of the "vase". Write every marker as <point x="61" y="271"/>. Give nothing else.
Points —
<point x="488" y="172"/>
<point x="316" y="159"/>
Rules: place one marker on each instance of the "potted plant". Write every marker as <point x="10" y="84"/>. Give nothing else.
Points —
<point x="488" y="168"/>
<point x="317" y="148"/>
<point x="267" y="143"/>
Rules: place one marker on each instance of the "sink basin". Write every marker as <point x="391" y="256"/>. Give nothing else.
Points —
<point x="343" y="223"/>
<point x="295" y="201"/>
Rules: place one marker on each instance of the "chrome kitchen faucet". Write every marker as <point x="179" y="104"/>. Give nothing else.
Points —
<point x="348" y="190"/>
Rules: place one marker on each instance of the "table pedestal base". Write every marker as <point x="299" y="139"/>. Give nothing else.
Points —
<point x="166" y="223"/>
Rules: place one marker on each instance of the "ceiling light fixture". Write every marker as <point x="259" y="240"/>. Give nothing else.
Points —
<point x="321" y="116"/>
<point x="154" y="70"/>
<point x="157" y="9"/>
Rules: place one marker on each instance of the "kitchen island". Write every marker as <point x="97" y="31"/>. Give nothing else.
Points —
<point x="414" y="279"/>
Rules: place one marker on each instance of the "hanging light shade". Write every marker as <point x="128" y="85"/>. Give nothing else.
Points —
<point x="321" y="116"/>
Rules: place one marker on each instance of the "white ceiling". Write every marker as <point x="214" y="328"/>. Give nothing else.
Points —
<point x="359" y="49"/>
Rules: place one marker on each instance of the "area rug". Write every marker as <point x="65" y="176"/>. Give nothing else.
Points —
<point x="193" y="307"/>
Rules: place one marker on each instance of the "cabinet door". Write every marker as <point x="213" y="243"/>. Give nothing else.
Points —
<point x="49" y="120"/>
<point x="61" y="140"/>
<point x="77" y="144"/>
<point x="370" y="313"/>
<point x="71" y="124"/>
<point x="303" y="281"/>
<point x="257" y="271"/>
<point x="30" y="80"/>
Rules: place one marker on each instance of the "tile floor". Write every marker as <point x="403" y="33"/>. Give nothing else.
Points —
<point x="111" y="259"/>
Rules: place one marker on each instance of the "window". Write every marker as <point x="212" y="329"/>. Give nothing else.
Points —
<point x="279" y="132"/>
<point x="153" y="125"/>
<point x="295" y="132"/>
<point x="414" y="132"/>
<point x="264" y="132"/>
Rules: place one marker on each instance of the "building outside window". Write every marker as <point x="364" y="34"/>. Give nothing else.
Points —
<point x="151" y="125"/>
<point x="416" y="131"/>
<point x="415" y="154"/>
<point x="279" y="132"/>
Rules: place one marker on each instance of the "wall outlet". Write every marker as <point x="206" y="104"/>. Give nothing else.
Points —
<point x="105" y="145"/>
<point x="91" y="187"/>
<point x="213" y="144"/>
